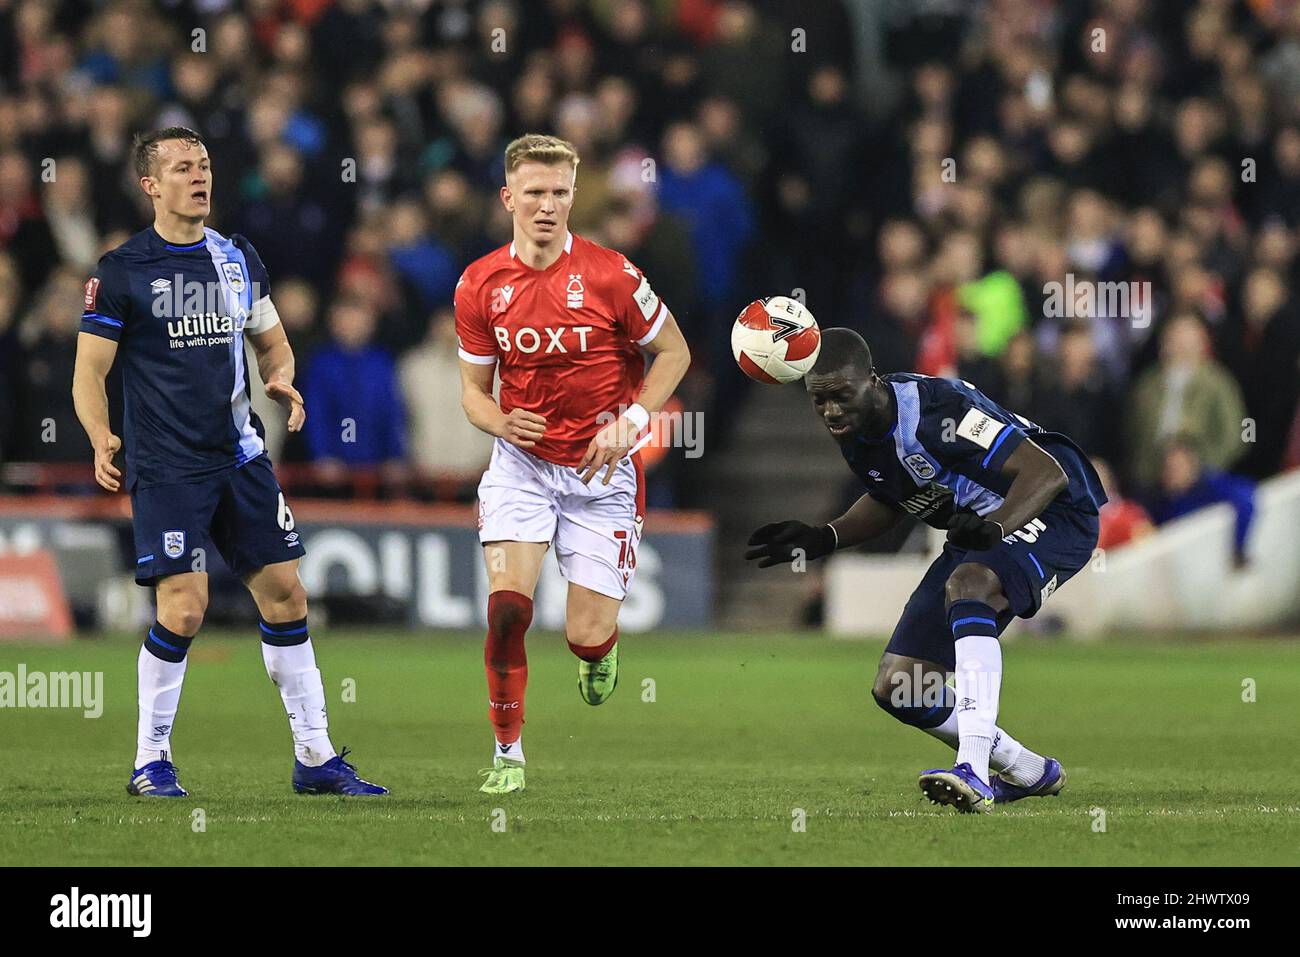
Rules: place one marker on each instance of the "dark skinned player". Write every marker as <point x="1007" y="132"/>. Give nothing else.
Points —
<point x="1019" y="505"/>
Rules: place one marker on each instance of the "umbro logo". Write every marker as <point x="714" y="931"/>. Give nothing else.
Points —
<point x="160" y="285"/>
<point x="876" y="475"/>
<point x="966" y="704"/>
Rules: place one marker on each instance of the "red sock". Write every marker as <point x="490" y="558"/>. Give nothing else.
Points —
<point x="509" y="615"/>
<point x="595" y="652"/>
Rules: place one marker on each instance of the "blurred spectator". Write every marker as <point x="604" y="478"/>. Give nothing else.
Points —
<point x="355" y="413"/>
<point x="10" y="296"/>
<point x="24" y="233"/>
<point x="69" y="214"/>
<point x="46" y="426"/>
<point x="1188" y="485"/>
<point x="1187" y="394"/>
<point x="709" y="198"/>
<point x="1261" y="345"/>
<point x="441" y="438"/>
<point x="1123" y="520"/>
<point x="1076" y="397"/>
<point x="358" y="145"/>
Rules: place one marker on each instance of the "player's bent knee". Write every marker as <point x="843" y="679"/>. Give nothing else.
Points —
<point x="507" y="618"/>
<point x="182" y="611"/>
<point x="587" y="633"/>
<point x="972" y="582"/>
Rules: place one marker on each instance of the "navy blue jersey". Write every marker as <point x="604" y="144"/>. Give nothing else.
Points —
<point x="179" y="315"/>
<point x="946" y="450"/>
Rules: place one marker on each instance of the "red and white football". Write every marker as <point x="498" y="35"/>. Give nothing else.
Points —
<point x="775" y="340"/>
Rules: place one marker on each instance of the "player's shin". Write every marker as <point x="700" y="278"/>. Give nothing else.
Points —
<point x="160" y="671"/>
<point x="506" y="665"/>
<point x="291" y="662"/>
<point x="978" y="676"/>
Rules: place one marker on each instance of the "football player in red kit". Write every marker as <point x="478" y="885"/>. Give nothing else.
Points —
<point x="564" y="322"/>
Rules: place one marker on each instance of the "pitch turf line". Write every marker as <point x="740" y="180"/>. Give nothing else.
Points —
<point x="744" y="730"/>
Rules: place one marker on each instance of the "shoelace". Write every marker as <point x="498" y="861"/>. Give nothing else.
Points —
<point x="164" y="775"/>
<point x="342" y="758"/>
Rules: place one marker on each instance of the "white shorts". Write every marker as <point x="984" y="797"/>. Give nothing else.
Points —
<point x="595" y="528"/>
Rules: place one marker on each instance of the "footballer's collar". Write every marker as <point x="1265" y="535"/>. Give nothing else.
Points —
<point x="568" y="244"/>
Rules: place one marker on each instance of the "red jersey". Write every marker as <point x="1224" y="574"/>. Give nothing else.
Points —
<point x="566" y="338"/>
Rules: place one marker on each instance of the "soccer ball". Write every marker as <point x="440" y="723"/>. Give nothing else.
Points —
<point x="775" y="340"/>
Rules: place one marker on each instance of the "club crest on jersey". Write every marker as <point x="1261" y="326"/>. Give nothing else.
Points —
<point x="920" y="467"/>
<point x="573" y="292"/>
<point x="234" y="276"/>
<point x="174" y="543"/>
<point x="501" y="299"/>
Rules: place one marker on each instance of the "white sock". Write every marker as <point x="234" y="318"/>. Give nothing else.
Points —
<point x="159" y="694"/>
<point x="1027" y="769"/>
<point x="293" y="669"/>
<point x="979" y="679"/>
<point x="514" y="751"/>
<point x="1007" y="753"/>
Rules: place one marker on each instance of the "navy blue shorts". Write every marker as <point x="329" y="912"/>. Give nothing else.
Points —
<point x="1031" y="563"/>
<point x="242" y="512"/>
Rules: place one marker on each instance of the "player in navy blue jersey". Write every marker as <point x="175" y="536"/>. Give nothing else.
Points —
<point x="178" y="301"/>
<point x="1020" y="508"/>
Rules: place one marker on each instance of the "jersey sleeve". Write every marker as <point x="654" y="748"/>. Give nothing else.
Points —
<point x="637" y="308"/>
<point x="107" y="301"/>
<point x="263" y="315"/>
<point x="475" y="343"/>
<point x="966" y="438"/>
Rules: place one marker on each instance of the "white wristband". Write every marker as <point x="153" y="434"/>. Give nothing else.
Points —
<point x="836" y="533"/>
<point x="638" y="416"/>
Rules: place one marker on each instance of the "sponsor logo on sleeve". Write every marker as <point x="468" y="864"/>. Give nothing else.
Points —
<point x="980" y="428"/>
<point x="92" y="291"/>
<point x="646" y="300"/>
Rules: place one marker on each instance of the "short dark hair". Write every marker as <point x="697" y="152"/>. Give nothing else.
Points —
<point x="843" y="349"/>
<point x="144" y="149"/>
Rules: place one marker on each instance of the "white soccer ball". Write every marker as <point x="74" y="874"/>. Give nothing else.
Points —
<point x="776" y="340"/>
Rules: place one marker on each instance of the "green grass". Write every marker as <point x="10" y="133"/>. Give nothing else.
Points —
<point x="743" y="731"/>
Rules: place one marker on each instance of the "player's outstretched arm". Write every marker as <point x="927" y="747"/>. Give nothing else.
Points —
<point x="781" y="542"/>
<point x="1036" y="479"/>
<point x="276" y="365"/>
<point x="520" y="428"/>
<point x="94" y="358"/>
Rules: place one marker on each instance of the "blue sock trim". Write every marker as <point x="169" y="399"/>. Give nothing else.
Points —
<point x="283" y="634"/>
<point x="165" y="644"/>
<point x="921" y="717"/>
<point x="969" y="617"/>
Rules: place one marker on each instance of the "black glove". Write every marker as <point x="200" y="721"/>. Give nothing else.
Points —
<point x="776" y="543"/>
<point x="970" y="531"/>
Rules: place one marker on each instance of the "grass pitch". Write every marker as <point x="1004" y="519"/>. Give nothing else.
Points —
<point x="742" y="734"/>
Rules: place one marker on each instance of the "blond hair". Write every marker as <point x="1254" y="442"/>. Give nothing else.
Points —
<point x="539" y="148"/>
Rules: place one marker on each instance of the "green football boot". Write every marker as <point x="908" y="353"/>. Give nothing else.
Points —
<point x="598" y="679"/>
<point x="503" y="777"/>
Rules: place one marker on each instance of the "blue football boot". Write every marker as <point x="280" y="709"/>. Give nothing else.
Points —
<point x="335" y="776"/>
<point x="1049" y="785"/>
<point x="157" y="779"/>
<point x="961" y="788"/>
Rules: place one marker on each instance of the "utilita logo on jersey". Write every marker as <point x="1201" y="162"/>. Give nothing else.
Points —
<point x="199" y="313"/>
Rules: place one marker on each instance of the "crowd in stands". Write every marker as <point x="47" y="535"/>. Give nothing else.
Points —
<point x="1020" y="148"/>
